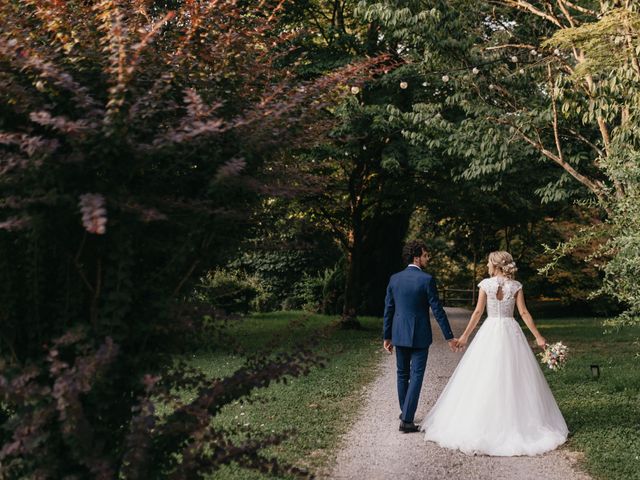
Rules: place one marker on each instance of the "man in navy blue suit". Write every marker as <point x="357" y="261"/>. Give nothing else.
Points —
<point x="407" y="327"/>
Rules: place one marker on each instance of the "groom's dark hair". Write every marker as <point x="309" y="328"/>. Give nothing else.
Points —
<point x="412" y="249"/>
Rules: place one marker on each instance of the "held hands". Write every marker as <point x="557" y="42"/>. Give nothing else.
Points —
<point x="455" y="346"/>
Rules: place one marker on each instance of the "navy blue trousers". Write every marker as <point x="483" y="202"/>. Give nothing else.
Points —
<point x="411" y="363"/>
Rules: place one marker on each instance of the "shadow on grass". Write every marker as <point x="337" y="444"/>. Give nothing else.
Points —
<point x="318" y="407"/>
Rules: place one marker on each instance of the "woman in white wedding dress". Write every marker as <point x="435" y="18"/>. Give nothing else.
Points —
<point x="497" y="402"/>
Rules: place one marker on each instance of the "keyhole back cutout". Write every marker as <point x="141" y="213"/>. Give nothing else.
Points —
<point x="499" y="294"/>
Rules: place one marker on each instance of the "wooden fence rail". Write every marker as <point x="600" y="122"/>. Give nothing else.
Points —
<point x="459" y="297"/>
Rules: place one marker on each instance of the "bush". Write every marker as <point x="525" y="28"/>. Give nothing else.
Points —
<point x="333" y="290"/>
<point x="307" y="294"/>
<point x="229" y="290"/>
<point x="322" y="293"/>
<point x="127" y="134"/>
<point x="277" y="271"/>
<point x="60" y="423"/>
<point x="123" y="177"/>
<point x="283" y="248"/>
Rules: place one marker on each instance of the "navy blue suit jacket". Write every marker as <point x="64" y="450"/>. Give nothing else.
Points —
<point x="406" y="309"/>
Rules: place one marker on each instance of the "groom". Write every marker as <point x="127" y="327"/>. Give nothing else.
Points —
<point x="407" y="327"/>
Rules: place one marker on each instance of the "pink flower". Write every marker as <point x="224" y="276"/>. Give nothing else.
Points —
<point x="94" y="213"/>
<point x="554" y="356"/>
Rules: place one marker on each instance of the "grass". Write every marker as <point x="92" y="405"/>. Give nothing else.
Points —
<point x="320" y="406"/>
<point x="603" y="414"/>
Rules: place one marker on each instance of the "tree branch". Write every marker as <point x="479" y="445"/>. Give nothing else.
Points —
<point x="185" y="278"/>
<point x="594" y="186"/>
<point x="554" y="108"/>
<point x="319" y="26"/>
<point x="566" y="13"/>
<point x="581" y="9"/>
<point x="526" y="6"/>
<point x="340" y="235"/>
<point x="630" y="47"/>
<point x="76" y="262"/>
<point x="585" y="140"/>
<point x="512" y="45"/>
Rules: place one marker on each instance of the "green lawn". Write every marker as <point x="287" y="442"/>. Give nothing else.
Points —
<point x="603" y="415"/>
<point x="320" y="406"/>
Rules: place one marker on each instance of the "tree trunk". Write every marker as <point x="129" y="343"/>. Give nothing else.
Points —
<point x="349" y="318"/>
<point x="340" y="17"/>
<point x="371" y="43"/>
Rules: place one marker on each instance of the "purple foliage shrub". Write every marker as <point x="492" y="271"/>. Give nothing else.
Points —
<point x="130" y="139"/>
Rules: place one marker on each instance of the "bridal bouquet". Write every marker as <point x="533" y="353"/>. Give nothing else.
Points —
<point x="554" y="356"/>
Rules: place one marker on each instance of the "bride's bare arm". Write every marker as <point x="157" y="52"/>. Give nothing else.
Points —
<point x="528" y="319"/>
<point x="475" y="318"/>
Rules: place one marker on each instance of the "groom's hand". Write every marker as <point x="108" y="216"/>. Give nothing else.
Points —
<point x="453" y="344"/>
<point x="388" y="346"/>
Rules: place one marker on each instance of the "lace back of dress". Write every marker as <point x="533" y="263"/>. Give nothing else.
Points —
<point x="501" y="296"/>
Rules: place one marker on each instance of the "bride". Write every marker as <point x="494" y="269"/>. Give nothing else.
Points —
<point x="497" y="401"/>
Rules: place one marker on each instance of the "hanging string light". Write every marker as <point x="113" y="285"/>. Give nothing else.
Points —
<point x="476" y="71"/>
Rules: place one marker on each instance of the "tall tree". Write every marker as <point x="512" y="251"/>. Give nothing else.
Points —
<point x="608" y="48"/>
<point x="508" y="99"/>
<point x="346" y="182"/>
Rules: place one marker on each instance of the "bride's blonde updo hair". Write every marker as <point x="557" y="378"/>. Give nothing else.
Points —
<point x="502" y="262"/>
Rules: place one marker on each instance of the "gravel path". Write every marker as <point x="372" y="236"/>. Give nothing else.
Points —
<point x="375" y="449"/>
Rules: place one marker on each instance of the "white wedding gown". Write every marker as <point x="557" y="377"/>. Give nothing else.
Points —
<point x="497" y="402"/>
